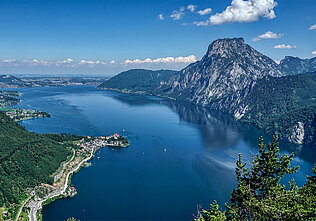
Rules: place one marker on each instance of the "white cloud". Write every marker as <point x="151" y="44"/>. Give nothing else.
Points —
<point x="283" y="46"/>
<point x="192" y="7"/>
<point x="9" y="61"/>
<point x="70" y="63"/>
<point x="242" y="11"/>
<point x="188" y="59"/>
<point x="161" y="17"/>
<point x="313" y="27"/>
<point x="35" y="62"/>
<point x="205" y="11"/>
<point x="85" y="66"/>
<point x="267" y="35"/>
<point x="314" y="53"/>
<point x="177" y="14"/>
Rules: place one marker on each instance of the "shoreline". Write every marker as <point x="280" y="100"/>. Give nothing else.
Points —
<point x="35" y="203"/>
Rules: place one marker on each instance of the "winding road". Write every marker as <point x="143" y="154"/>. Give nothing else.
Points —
<point x="38" y="202"/>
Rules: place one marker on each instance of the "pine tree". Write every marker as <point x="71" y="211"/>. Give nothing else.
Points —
<point x="259" y="194"/>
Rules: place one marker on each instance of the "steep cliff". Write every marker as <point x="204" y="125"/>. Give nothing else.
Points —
<point x="228" y="67"/>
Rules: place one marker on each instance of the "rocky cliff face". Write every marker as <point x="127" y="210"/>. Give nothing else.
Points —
<point x="297" y="133"/>
<point x="294" y="65"/>
<point x="228" y="67"/>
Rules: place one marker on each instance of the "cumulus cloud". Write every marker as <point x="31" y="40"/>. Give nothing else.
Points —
<point x="242" y="11"/>
<point x="205" y="11"/>
<point x="314" y="53"/>
<point x="161" y="17"/>
<point x="70" y="63"/>
<point x="177" y="14"/>
<point x="188" y="59"/>
<point x="35" y="62"/>
<point x="9" y="61"/>
<point x="267" y="35"/>
<point x="192" y="7"/>
<point x="86" y="66"/>
<point x="283" y="46"/>
<point x="313" y="27"/>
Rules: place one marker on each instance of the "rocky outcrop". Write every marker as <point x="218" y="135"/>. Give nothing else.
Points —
<point x="240" y="112"/>
<point x="229" y="66"/>
<point x="298" y="133"/>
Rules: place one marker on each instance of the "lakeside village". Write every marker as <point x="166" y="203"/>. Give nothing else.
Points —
<point x="9" y="98"/>
<point x="82" y="151"/>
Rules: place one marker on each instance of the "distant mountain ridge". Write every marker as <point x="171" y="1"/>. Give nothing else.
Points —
<point x="235" y="78"/>
<point x="294" y="65"/>
<point x="8" y="81"/>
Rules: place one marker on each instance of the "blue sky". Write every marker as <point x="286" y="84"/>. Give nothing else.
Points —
<point x="105" y="37"/>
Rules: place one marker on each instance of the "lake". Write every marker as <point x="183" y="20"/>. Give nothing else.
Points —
<point x="180" y="155"/>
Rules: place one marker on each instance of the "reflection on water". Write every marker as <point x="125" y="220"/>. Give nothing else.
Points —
<point x="180" y="155"/>
<point x="218" y="130"/>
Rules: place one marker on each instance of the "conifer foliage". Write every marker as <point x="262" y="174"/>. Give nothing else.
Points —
<point x="260" y="195"/>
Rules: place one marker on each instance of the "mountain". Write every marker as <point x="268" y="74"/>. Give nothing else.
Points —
<point x="284" y="105"/>
<point x="229" y="66"/>
<point x="294" y="65"/>
<point x="137" y="80"/>
<point x="26" y="159"/>
<point x="233" y="77"/>
<point x="8" y="81"/>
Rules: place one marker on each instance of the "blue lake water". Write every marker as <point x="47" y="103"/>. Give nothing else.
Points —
<point x="180" y="155"/>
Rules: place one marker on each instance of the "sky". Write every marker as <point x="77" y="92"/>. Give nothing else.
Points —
<point x="107" y="37"/>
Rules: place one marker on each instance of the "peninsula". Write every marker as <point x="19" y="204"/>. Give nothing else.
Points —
<point x="51" y="160"/>
<point x="8" y="99"/>
<point x="82" y="151"/>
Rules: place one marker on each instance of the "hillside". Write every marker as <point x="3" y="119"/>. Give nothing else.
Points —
<point x="137" y="80"/>
<point x="229" y="66"/>
<point x="294" y="65"/>
<point x="233" y="77"/>
<point x="26" y="159"/>
<point x="8" y="81"/>
<point x="286" y="105"/>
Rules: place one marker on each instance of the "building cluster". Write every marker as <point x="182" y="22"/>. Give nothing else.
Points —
<point x="70" y="192"/>
<point x="87" y="145"/>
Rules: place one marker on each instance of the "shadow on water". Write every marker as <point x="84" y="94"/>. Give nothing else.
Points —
<point x="218" y="130"/>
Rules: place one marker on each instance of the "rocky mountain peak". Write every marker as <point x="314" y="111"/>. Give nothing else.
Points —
<point x="221" y="47"/>
<point x="230" y="65"/>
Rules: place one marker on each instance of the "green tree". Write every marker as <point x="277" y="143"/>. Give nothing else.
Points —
<point x="259" y="194"/>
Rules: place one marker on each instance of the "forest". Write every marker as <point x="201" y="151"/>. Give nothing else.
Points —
<point x="276" y="105"/>
<point x="26" y="159"/>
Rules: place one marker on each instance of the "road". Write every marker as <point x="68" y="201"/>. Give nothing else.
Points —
<point x="20" y="210"/>
<point x="37" y="204"/>
<point x="64" y="166"/>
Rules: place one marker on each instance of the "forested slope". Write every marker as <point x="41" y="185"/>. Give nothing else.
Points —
<point x="26" y="159"/>
<point x="137" y="80"/>
<point x="283" y="105"/>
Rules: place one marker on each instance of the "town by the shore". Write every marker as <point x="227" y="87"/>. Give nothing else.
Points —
<point x="82" y="151"/>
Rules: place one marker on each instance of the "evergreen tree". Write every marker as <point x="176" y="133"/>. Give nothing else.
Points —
<point x="259" y="194"/>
